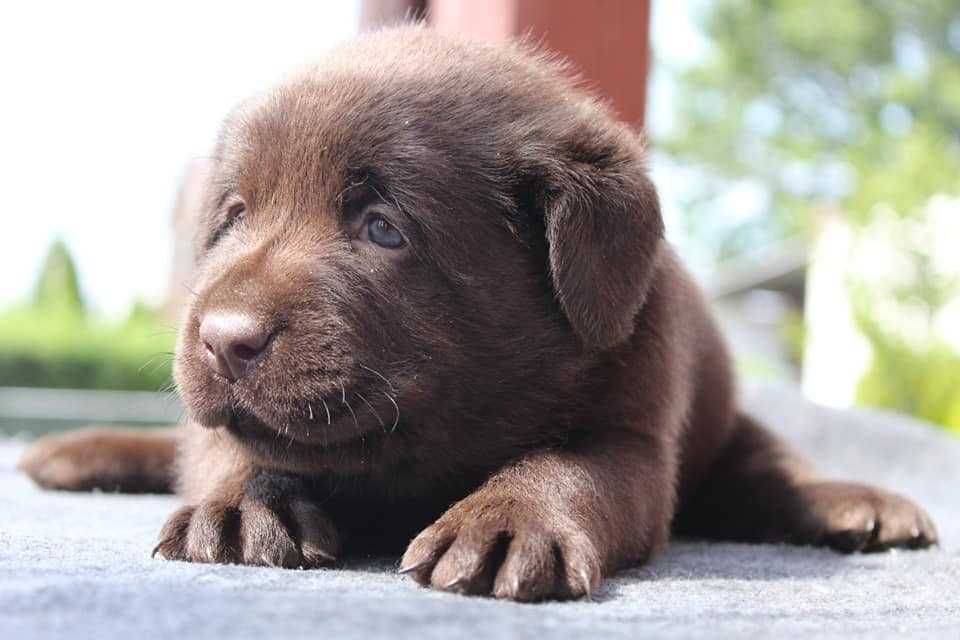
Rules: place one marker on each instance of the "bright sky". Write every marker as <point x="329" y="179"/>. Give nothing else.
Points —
<point x="676" y="43"/>
<point x="104" y="104"/>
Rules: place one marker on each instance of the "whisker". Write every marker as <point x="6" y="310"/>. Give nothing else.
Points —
<point x="373" y="411"/>
<point x="171" y="403"/>
<point x="380" y="195"/>
<point x="381" y="376"/>
<point x="343" y="399"/>
<point x="310" y="407"/>
<point x="396" y="407"/>
<point x="172" y="397"/>
<point x="153" y="358"/>
<point x="164" y="332"/>
<point x="356" y="426"/>
<point x="326" y="408"/>
<point x="160" y="363"/>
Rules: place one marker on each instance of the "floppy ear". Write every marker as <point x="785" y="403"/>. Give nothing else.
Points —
<point x="603" y="230"/>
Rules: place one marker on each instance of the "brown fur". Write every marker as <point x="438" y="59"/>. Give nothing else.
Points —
<point x="534" y="355"/>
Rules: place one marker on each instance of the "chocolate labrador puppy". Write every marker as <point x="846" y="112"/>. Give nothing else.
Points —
<point x="434" y="301"/>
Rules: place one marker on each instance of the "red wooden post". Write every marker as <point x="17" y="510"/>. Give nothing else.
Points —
<point x="607" y="40"/>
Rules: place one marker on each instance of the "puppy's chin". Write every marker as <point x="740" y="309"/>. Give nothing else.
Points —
<point x="256" y="409"/>
<point x="322" y="426"/>
<point x="212" y="418"/>
<point x="295" y="447"/>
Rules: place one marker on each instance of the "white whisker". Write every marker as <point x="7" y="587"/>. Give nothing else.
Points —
<point x="373" y="411"/>
<point x="349" y="408"/>
<point x="396" y="407"/>
<point x="381" y="376"/>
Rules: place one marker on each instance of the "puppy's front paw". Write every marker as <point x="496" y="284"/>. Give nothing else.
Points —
<point x="294" y="533"/>
<point x="62" y="461"/>
<point x="851" y="517"/>
<point x="505" y="548"/>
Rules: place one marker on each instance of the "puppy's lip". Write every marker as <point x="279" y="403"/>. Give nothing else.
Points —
<point x="342" y="427"/>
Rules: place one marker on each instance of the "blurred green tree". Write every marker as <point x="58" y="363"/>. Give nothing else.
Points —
<point x="825" y="104"/>
<point x="56" y="341"/>
<point x="58" y="287"/>
<point x="849" y="106"/>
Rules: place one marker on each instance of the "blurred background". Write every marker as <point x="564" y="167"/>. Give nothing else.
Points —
<point x="807" y="154"/>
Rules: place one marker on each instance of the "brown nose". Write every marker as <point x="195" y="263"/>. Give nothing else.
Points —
<point x="232" y="342"/>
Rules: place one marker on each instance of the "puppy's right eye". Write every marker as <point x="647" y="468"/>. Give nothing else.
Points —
<point x="236" y="212"/>
<point x="382" y="233"/>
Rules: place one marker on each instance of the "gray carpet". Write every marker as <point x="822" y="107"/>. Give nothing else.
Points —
<point x="79" y="566"/>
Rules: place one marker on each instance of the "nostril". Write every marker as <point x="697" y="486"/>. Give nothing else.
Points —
<point x="244" y="352"/>
<point x="232" y="341"/>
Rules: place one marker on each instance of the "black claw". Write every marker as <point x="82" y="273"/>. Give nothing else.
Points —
<point x="849" y="541"/>
<point x="922" y="541"/>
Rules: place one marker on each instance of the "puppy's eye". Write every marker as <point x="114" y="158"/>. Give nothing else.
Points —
<point x="381" y="232"/>
<point x="236" y="212"/>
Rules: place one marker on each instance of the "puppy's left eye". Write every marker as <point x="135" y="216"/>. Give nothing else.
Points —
<point x="381" y="232"/>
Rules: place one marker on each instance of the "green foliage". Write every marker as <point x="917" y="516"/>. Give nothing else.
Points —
<point x="824" y="104"/>
<point x="901" y="307"/>
<point x="922" y="381"/>
<point x="43" y="349"/>
<point x="793" y="333"/>
<point x="58" y="288"/>
<point x="848" y="106"/>
<point x="54" y="343"/>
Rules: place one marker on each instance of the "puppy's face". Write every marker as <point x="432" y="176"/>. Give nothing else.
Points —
<point x="388" y="261"/>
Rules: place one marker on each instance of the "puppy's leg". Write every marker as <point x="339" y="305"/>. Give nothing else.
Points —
<point x="552" y="524"/>
<point x="124" y="460"/>
<point x="759" y="491"/>
<point x="237" y="513"/>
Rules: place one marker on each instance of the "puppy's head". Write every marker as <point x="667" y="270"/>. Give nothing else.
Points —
<point x="418" y="242"/>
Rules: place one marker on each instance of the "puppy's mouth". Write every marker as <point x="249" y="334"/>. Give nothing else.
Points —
<point x="279" y="402"/>
<point x="326" y="421"/>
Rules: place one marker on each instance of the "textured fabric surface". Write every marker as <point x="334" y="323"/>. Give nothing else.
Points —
<point x="79" y="566"/>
